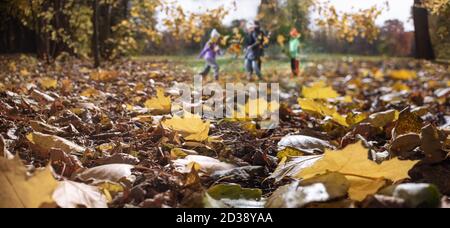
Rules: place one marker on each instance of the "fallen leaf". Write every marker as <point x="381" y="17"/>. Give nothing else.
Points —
<point x="43" y="143"/>
<point x="403" y="74"/>
<point x="71" y="194"/>
<point x="209" y="202"/>
<point x="45" y="128"/>
<point x="3" y="151"/>
<point x="355" y="118"/>
<point x="234" y="191"/>
<point x="381" y="119"/>
<point x="407" y="122"/>
<point x="289" y="152"/>
<point x="90" y="92"/>
<point x="113" y="172"/>
<point x="18" y="190"/>
<point x="404" y="144"/>
<point x="398" y="86"/>
<point x="232" y="196"/>
<point x="48" y="83"/>
<point x="41" y="97"/>
<point x="321" y="188"/>
<point x="431" y="145"/>
<point x="415" y="195"/>
<point x="104" y="76"/>
<point x="63" y="163"/>
<point x="306" y="144"/>
<point x="363" y="174"/>
<point x="118" y="158"/>
<point x="206" y="164"/>
<point x="159" y="104"/>
<point x="323" y="109"/>
<point x="191" y="127"/>
<point x="319" y="91"/>
<point x="444" y="92"/>
<point x="290" y="166"/>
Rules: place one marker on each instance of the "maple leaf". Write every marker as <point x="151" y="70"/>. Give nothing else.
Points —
<point x="104" y="76"/>
<point x="403" y="74"/>
<point x="159" y="104"/>
<point x="43" y="143"/>
<point x="90" y="92"/>
<point x="48" y="83"/>
<point x="18" y="190"/>
<point x="365" y="176"/>
<point x="191" y="127"/>
<point x="319" y="91"/>
<point x="322" y="109"/>
<point x="70" y="194"/>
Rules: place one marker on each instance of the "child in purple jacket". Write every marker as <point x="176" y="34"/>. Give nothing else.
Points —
<point x="209" y="53"/>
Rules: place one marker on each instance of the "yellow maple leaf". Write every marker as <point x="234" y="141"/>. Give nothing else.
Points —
<point x="18" y="190"/>
<point x="159" y="104"/>
<point x="319" y="91"/>
<point x="403" y="74"/>
<point x="254" y="109"/>
<point x="398" y="86"/>
<point x="191" y="127"/>
<point x="260" y="107"/>
<point x="25" y="73"/>
<point x="91" y="92"/>
<point x="366" y="177"/>
<point x="48" y="83"/>
<point x="322" y="109"/>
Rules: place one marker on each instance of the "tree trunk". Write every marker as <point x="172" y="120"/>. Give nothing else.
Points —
<point x="424" y="48"/>
<point x="95" y="37"/>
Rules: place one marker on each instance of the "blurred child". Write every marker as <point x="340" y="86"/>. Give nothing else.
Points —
<point x="294" y="51"/>
<point x="209" y="54"/>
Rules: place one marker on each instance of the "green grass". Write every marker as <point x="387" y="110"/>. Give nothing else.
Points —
<point x="229" y="64"/>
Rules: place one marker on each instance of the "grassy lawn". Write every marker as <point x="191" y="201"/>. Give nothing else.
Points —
<point x="231" y="65"/>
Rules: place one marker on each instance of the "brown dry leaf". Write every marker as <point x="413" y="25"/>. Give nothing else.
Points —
<point x="403" y="144"/>
<point x="104" y="76"/>
<point x="67" y="86"/>
<point x="119" y="158"/>
<point x="43" y="143"/>
<point x="18" y="190"/>
<point x="431" y="145"/>
<point x="3" y="151"/>
<point x="71" y="194"/>
<point x="365" y="176"/>
<point x="45" y="128"/>
<point x="64" y="163"/>
<point x="41" y="97"/>
<point x="407" y="122"/>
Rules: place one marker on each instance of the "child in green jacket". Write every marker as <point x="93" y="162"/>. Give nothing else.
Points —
<point x="294" y="51"/>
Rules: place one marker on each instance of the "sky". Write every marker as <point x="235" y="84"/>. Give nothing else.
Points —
<point x="247" y="9"/>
